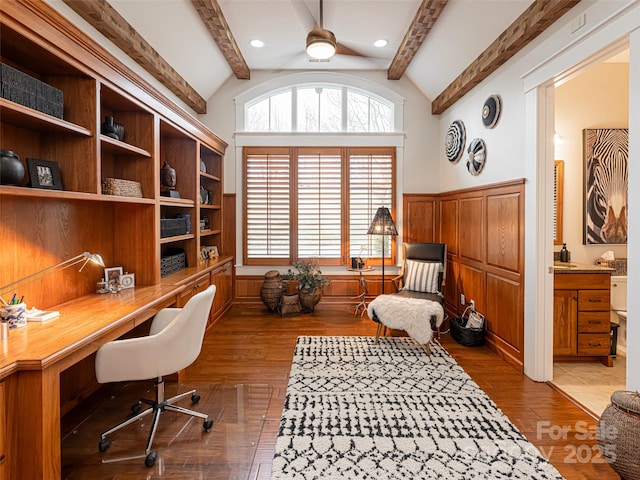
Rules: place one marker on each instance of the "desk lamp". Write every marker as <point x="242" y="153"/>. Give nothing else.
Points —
<point x="382" y="224"/>
<point x="85" y="257"/>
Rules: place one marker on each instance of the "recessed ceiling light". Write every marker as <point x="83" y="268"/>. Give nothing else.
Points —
<point x="380" y="43"/>
<point x="257" y="43"/>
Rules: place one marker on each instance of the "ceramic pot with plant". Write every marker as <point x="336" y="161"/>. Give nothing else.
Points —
<point x="310" y="283"/>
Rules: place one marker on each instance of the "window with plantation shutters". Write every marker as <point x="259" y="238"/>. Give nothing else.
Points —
<point x="267" y="204"/>
<point x="319" y="204"/>
<point x="371" y="177"/>
<point x="315" y="203"/>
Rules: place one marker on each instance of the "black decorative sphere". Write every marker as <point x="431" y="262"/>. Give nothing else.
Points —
<point x="11" y="168"/>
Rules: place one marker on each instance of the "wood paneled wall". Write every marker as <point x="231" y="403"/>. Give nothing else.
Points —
<point x="483" y="228"/>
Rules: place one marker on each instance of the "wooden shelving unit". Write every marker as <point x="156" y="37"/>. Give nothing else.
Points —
<point x="43" y="227"/>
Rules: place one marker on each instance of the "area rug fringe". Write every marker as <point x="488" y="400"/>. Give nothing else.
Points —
<point x="356" y="410"/>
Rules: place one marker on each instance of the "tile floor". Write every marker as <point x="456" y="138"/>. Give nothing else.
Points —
<point x="591" y="384"/>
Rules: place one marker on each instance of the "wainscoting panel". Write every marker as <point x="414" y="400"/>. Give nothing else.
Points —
<point x="471" y="223"/>
<point x="483" y="228"/>
<point x="449" y="225"/>
<point x="419" y="211"/>
<point x="503" y="234"/>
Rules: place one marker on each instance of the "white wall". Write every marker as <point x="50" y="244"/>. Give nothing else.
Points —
<point x="422" y="147"/>
<point x="520" y="146"/>
<point x="597" y="97"/>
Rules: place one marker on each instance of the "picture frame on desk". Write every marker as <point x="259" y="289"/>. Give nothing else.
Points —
<point x="44" y="174"/>
<point x="112" y="274"/>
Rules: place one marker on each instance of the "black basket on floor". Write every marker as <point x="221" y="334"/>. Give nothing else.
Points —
<point x="469" y="337"/>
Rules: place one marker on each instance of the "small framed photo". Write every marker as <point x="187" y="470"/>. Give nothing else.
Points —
<point x="112" y="274"/>
<point x="44" y="174"/>
<point x="207" y="253"/>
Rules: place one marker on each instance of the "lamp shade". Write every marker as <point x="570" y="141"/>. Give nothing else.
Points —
<point x="321" y="44"/>
<point x="382" y="223"/>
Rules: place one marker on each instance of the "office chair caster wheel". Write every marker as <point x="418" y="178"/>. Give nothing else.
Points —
<point x="150" y="460"/>
<point x="136" y="407"/>
<point x="104" y="444"/>
<point x="195" y="398"/>
<point x="207" y="424"/>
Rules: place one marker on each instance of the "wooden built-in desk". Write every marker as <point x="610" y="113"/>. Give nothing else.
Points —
<point x="34" y="356"/>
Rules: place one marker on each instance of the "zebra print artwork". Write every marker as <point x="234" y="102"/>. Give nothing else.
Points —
<point x="606" y="184"/>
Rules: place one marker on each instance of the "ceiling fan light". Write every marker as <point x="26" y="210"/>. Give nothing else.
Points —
<point x="321" y="44"/>
<point x="321" y="49"/>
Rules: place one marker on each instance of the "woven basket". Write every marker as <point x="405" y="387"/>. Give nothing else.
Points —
<point x="618" y="434"/>
<point x="122" y="188"/>
<point x="271" y="290"/>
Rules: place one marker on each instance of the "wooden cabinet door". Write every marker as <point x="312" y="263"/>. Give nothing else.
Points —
<point x="565" y="322"/>
<point x="197" y="286"/>
<point x="3" y="434"/>
<point x="223" y="280"/>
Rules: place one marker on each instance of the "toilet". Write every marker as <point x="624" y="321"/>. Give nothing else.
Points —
<point x="619" y="309"/>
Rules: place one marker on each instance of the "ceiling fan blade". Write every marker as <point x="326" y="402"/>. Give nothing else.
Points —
<point x="344" y="50"/>
<point x="304" y="14"/>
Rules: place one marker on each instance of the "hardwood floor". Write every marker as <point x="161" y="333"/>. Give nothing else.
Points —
<point x="251" y="347"/>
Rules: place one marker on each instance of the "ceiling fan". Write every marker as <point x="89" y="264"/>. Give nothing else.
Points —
<point x="322" y="44"/>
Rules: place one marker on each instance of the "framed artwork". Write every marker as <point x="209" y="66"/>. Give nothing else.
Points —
<point x="606" y="162"/>
<point x="44" y="174"/>
<point x="112" y="274"/>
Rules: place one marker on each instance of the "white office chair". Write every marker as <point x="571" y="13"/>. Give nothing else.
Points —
<point x="173" y="343"/>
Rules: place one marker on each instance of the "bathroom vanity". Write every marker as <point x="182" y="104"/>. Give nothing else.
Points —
<point x="581" y="319"/>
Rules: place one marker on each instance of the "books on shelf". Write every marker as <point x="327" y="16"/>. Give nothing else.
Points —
<point x="35" y="315"/>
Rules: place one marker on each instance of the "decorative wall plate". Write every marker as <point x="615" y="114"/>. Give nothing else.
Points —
<point x="491" y="111"/>
<point x="455" y="141"/>
<point x="477" y="155"/>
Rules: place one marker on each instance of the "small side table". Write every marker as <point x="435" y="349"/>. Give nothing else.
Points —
<point x="362" y="284"/>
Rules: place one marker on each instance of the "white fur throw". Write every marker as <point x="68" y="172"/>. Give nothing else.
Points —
<point x="413" y="315"/>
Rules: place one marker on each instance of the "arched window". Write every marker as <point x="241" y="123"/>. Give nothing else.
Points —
<point x="319" y="108"/>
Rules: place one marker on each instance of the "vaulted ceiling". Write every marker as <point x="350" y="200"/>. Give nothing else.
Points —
<point x="444" y="47"/>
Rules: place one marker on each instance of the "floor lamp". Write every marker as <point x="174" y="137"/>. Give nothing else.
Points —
<point x="382" y="224"/>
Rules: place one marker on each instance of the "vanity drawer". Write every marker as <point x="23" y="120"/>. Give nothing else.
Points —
<point x="593" y="300"/>
<point x="593" y="344"/>
<point x="593" y="322"/>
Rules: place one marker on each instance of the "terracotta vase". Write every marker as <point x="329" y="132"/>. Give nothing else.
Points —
<point x="309" y="299"/>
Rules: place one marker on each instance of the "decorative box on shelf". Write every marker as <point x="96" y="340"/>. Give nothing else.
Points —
<point x="28" y="91"/>
<point x="174" y="261"/>
<point x="170" y="227"/>
<point x="122" y="188"/>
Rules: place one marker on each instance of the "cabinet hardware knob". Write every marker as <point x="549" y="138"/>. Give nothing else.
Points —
<point x="594" y="322"/>
<point x="595" y="300"/>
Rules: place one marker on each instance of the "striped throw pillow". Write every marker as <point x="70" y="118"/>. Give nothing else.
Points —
<point x="422" y="276"/>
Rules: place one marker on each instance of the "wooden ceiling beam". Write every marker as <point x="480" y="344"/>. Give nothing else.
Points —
<point x="423" y="22"/>
<point x="104" y="18"/>
<point x="531" y="23"/>
<point x="211" y="14"/>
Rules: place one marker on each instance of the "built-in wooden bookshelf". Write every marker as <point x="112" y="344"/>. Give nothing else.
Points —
<point x="43" y="227"/>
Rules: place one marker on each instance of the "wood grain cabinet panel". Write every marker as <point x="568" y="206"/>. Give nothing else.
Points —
<point x="449" y="225"/>
<point x="419" y="219"/>
<point x="565" y="322"/>
<point x="503" y="233"/>
<point x="504" y="310"/>
<point x="581" y="316"/>
<point x="471" y="232"/>
<point x="3" y="433"/>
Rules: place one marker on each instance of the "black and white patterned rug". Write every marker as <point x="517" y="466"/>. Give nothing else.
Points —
<point x="355" y="410"/>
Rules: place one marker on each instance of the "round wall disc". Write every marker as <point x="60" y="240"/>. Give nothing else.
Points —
<point x="455" y="140"/>
<point x="477" y="155"/>
<point x="491" y="111"/>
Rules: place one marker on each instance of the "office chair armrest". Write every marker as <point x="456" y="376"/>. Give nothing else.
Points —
<point x="163" y="318"/>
